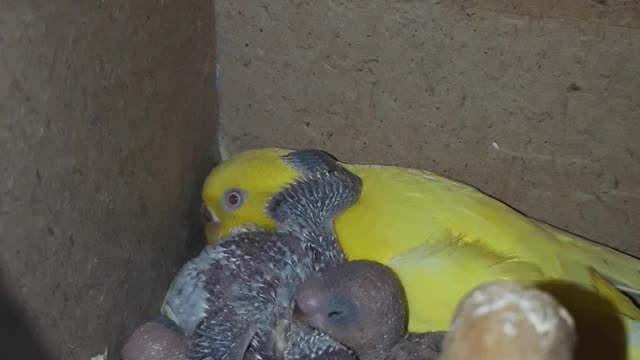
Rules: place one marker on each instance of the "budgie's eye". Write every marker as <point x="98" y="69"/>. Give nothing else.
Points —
<point x="232" y="199"/>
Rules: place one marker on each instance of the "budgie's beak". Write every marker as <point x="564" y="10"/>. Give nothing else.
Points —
<point x="211" y="224"/>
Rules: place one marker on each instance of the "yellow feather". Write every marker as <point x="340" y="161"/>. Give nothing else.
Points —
<point x="258" y="173"/>
<point x="436" y="271"/>
<point x="413" y="206"/>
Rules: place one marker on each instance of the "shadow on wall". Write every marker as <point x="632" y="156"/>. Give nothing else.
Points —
<point x="18" y="339"/>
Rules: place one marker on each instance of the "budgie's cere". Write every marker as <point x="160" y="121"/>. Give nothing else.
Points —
<point x="237" y="297"/>
<point x="360" y="304"/>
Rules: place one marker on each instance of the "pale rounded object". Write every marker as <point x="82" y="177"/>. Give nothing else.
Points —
<point x="155" y="341"/>
<point x="504" y="320"/>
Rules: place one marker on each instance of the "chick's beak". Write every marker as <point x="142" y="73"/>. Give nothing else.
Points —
<point x="210" y="222"/>
<point x="298" y="314"/>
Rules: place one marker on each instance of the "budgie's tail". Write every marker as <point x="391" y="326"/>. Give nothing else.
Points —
<point x="632" y="328"/>
<point x="611" y="272"/>
<point x="602" y="331"/>
<point x="621" y="269"/>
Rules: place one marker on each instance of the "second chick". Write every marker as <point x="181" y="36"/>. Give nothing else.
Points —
<point x="360" y="304"/>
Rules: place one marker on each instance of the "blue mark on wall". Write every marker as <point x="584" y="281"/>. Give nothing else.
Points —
<point x="216" y="77"/>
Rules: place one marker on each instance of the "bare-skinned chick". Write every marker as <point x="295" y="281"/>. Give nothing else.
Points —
<point x="360" y="304"/>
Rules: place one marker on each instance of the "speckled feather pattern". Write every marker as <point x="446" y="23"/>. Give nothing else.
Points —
<point x="307" y="206"/>
<point x="311" y="344"/>
<point x="250" y="277"/>
<point x="187" y="297"/>
<point x="416" y="346"/>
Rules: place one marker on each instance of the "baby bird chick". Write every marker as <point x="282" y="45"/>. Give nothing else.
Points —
<point x="504" y="321"/>
<point x="235" y="299"/>
<point x="360" y="304"/>
<point x="156" y="340"/>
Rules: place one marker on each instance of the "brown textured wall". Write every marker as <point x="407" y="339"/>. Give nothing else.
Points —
<point x="534" y="102"/>
<point x="107" y="128"/>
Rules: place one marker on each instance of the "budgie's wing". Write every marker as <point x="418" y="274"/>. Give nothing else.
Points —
<point x="185" y="301"/>
<point x="418" y="208"/>
<point x="599" y="269"/>
<point x="438" y="273"/>
<point x="609" y="291"/>
<point x="221" y="337"/>
<point x="311" y="344"/>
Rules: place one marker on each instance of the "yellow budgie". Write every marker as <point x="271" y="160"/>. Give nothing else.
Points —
<point x="440" y="236"/>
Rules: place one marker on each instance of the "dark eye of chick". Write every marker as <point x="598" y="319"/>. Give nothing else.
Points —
<point x="341" y="310"/>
